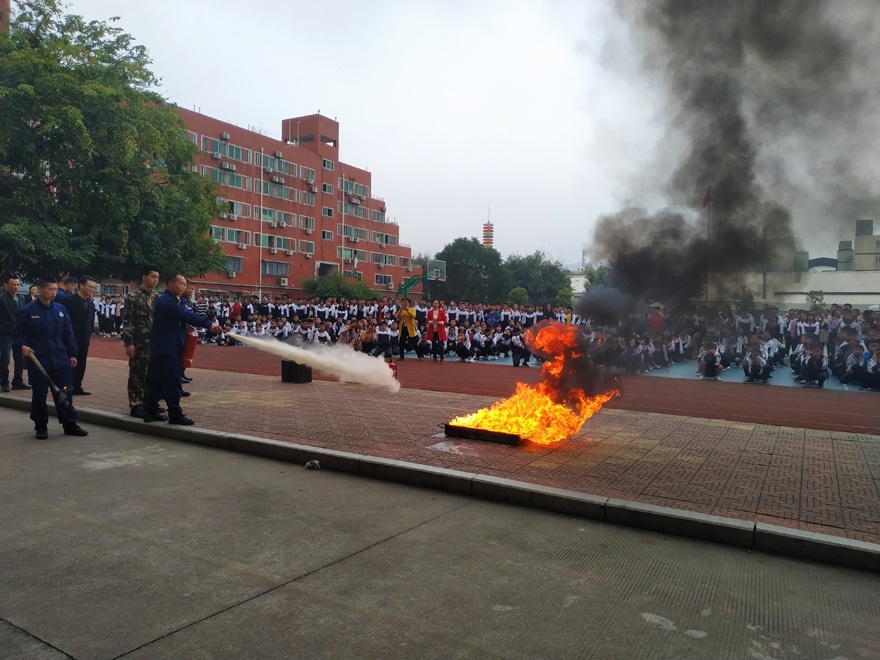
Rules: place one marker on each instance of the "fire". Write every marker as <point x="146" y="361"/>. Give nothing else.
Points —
<point x="547" y="412"/>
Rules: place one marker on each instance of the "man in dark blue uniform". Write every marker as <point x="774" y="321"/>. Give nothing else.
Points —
<point x="43" y="329"/>
<point x="166" y="343"/>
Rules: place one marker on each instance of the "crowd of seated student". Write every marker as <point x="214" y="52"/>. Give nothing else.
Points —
<point x="841" y="341"/>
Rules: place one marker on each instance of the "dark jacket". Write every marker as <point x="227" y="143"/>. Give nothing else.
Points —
<point x="8" y="313"/>
<point x="169" y="320"/>
<point x="82" y="317"/>
<point x="48" y="331"/>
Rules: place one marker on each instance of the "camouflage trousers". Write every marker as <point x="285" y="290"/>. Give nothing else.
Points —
<point x="138" y="367"/>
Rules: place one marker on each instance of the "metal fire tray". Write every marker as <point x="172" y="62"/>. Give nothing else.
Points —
<point x="455" y="431"/>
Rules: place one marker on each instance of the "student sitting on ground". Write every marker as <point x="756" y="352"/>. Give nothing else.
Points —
<point x="872" y="373"/>
<point x="815" y="368"/>
<point x="755" y="367"/>
<point x="856" y="367"/>
<point x="710" y="363"/>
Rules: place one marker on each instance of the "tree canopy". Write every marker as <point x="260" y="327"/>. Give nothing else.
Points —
<point x="337" y="285"/>
<point x="473" y="272"/>
<point x="95" y="168"/>
<point x="539" y="275"/>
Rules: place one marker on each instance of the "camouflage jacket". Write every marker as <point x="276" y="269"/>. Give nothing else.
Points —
<point x="137" y="317"/>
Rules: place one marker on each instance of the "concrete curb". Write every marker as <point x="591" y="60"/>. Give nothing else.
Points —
<point x="772" y="539"/>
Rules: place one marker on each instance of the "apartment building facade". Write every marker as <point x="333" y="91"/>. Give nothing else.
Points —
<point x="293" y="210"/>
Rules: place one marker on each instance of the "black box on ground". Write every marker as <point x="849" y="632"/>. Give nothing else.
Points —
<point x="292" y="372"/>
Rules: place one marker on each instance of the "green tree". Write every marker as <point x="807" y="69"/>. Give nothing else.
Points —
<point x="595" y="275"/>
<point x="94" y="166"/>
<point x="564" y="297"/>
<point x="518" y="296"/>
<point x="473" y="272"/>
<point x="743" y="297"/>
<point x="540" y="276"/>
<point x="816" y="300"/>
<point x="337" y="285"/>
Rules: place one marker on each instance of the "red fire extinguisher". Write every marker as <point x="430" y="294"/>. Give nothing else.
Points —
<point x="189" y="349"/>
<point x="393" y="367"/>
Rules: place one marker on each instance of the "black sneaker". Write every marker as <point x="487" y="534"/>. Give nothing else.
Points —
<point x="155" y="417"/>
<point x="185" y="393"/>
<point x="186" y="379"/>
<point x="137" y="411"/>
<point x="181" y="421"/>
<point x="78" y="391"/>
<point x="4" y="388"/>
<point x="76" y="429"/>
<point x="42" y="434"/>
<point x="21" y="386"/>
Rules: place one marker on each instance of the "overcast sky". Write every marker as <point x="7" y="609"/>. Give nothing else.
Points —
<point x="538" y="108"/>
<point x="453" y="106"/>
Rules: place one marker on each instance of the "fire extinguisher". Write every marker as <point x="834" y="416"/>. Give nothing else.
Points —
<point x="189" y="349"/>
<point x="393" y="367"/>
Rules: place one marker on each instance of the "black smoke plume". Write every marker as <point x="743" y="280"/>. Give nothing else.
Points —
<point x="777" y="101"/>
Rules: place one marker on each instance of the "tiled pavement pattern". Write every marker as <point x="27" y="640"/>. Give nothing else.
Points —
<point x="819" y="481"/>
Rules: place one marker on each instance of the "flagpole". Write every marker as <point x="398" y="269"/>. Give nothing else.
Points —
<point x="708" y="199"/>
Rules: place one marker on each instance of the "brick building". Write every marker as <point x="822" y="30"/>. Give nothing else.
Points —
<point x="293" y="210"/>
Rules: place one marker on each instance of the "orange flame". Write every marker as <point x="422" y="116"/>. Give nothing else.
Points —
<point x="535" y="412"/>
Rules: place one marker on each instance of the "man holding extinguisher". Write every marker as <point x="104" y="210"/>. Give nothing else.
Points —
<point x="166" y="343"/>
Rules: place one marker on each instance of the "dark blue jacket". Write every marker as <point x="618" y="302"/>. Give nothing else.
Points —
<point x="48" y="331"/>
<point x="169" y="319"/>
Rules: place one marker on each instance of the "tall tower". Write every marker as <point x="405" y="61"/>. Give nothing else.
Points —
<point x="488" y="234"/>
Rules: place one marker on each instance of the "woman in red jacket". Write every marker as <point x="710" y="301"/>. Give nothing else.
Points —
<point x="436" y="322"/>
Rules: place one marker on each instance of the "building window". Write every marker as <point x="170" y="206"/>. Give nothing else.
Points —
<point x="238" y="236"/>
<point x="383" y="281"/>
<point x="326" y="235"/>
<point x="306" y="198"/>
<point x="218" y="233"/>
<point x="326" y="211"/>
<point x="275" y="268"/>
<point x="306" y="222"/>
<point x="328" y="164"/>
<point x="307" y="174"/>
<point x="307" y="247"/>
<point x="192" y="137"/>
<point x="235" y="264"/>
<point x="327" y="188"/>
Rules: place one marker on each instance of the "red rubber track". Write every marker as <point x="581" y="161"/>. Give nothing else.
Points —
<point x="853" y="412"/>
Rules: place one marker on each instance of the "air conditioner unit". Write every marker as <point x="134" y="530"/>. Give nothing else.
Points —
<point x="232" y="167"/>
<point x="224" y="215"/>
<point x="310" y="231"/>
<point x="348" y="261"/>
<point x="273" y="224"/>
<point x="224" y="136"/>
<point x="217" y="155"/>
<point x="277" y="154"/>
<point x="273" y="250"/>
<point x="310" y="181"/>
<point x="381" y="265"/>
<point x="232" y="218"/>
<point x="231" y="274"/>
<point x="313" y="189"/>
<point x="276" y="179"/>
<point x="382" y="245"/>
<point x="409" y="270"/>
<point x="391" y="286"/>
<point x="283" y="281"/>
<point x="308" y="255"/>
<point x="226" y="166"/>
<point x="289" y="253"/>
<point x="269" y="170"/>
<point x="362" y="198"/>
<point x="383" y="209"/>
<point x="355" y="200"/>
<point x="242" y="246"/>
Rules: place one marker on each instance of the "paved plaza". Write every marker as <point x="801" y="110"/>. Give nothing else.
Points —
<point x="808" y="479"/>
<point x="123" y="545"/>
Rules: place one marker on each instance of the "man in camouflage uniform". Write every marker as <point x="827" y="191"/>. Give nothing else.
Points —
<point x="137" y="322"/>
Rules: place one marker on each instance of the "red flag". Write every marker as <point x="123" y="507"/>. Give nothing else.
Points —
<point x="708" y="198"/>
